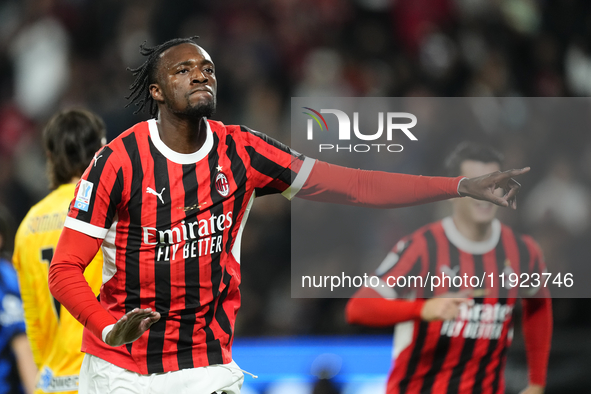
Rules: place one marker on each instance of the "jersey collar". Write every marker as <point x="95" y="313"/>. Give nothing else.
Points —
<point x="180" y="158"/>
<point x="472" y="247"/>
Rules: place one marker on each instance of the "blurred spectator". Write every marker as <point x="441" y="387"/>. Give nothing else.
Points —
<point x="560" y="199"/>
<point x="323" y="75"/>
<point x="39" y="53"/>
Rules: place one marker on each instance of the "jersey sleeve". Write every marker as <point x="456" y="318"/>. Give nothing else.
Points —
<point x="30" y="301"/>
<point x="375" y="189"/>
<point x="97" y="195"/>
<point x="276" y="167"/>
<point x="537" y="315"/>
<point x="537" y="332"/>
<point x="68" y="285"/>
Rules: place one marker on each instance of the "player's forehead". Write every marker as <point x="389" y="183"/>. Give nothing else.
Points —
<point x="475" y="168"/>
<point x="183" y="53"/>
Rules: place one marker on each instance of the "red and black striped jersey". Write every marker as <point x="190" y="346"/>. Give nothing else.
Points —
<point x="467" y="354"/>
<point x="172" y="225"/>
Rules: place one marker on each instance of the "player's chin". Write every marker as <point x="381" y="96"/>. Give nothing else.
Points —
<point x="484" y="214"/>
<point x="201" y="108"/>
<point x="206" y="103"/>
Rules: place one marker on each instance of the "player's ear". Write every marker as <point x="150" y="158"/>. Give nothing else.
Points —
<point x="156" y="92"/>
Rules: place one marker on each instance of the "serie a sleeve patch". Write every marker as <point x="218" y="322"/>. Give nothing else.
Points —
<point x="83" y="197"/>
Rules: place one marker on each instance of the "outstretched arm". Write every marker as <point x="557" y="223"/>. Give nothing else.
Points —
<point x="74" y="252"/>
<point x="381" y="312"/>
<point x="377" y="189"/>
<point x="367" y="308"/>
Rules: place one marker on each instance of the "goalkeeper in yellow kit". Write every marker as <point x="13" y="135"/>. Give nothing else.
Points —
<point x="71" y="139"/>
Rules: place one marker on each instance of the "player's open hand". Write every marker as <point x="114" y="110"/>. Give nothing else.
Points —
<point x="131" y="326"/>
<point x="483" y="187"/>
<point x="446" y="307"/>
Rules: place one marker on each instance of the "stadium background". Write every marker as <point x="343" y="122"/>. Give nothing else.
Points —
<point x="57" y="53"/>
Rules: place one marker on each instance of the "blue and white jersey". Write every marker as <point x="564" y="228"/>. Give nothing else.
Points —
<point x="12" y="323"/>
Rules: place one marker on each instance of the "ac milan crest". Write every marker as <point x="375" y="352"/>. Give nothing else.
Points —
<point x="222" y="185"/>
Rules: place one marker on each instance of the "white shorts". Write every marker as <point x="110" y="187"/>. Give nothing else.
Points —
<point x="98" y="376"/>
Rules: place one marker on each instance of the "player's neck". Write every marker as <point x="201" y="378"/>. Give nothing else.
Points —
<point x="471" y="230"/>
<point x="181" y="134"/>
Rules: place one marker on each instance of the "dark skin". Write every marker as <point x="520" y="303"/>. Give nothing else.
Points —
<point x="186" y="83"/>
<point x="483" y="187"/>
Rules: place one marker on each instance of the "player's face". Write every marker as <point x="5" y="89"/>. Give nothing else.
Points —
<point x="476" y="211"/>
<point x="186" y="81"/>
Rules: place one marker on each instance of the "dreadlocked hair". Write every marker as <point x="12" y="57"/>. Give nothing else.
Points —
<point x="146" y="74"/>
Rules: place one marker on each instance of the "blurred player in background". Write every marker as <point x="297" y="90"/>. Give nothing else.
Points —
<point x="459" y="345"/>
<point x="17" y="368"/>
<point x="71" y="139"/>
<point x="168" y="200"/>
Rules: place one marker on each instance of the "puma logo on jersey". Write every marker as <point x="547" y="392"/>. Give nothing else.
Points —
<point x="96" y="159"/>
<point x="159" y="195"/>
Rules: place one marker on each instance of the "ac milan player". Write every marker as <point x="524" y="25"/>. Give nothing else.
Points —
<point x="456" y="344"/>
<point x="168" y="200"/>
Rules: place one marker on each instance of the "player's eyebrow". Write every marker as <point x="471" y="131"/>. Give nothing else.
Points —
<point x="190" y="63"/>
<point x="183" y="63"/>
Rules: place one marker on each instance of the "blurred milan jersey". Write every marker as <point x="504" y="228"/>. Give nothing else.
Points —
<point x="466" y="355"/>
<point x="172" y="225"/>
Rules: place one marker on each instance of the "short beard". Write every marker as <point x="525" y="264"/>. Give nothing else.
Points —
<point x="200" y="111"/>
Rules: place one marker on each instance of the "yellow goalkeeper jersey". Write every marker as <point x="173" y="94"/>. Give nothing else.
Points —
<point x="55" y="336"/>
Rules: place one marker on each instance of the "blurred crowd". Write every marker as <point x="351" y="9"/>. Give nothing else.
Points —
<point x="59" y="53"/>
